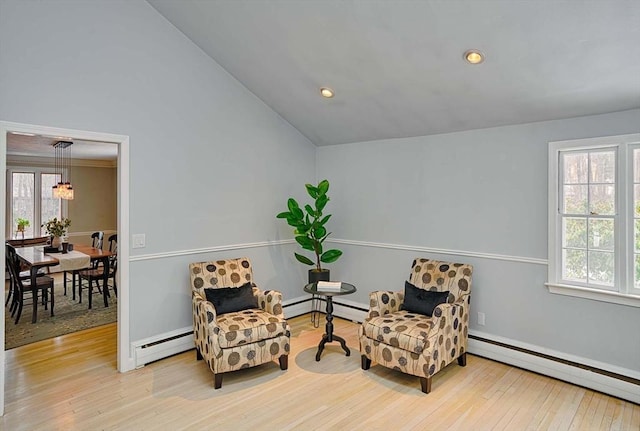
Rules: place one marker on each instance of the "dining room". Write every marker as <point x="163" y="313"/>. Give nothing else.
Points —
<point x="74" y="182"/>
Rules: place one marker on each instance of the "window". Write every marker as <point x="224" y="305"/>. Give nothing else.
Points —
<point x="31" y="198"/>
<point x="594" y="218"/>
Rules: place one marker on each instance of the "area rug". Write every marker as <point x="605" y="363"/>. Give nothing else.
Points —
<point x="70" y="316"/>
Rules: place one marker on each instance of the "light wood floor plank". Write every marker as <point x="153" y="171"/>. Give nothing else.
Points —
<point x="71" y="383"/>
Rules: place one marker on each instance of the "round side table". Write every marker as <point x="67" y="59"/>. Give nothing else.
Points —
<point x="328" y="337"/>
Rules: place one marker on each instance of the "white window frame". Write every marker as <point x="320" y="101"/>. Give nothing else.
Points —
<point x="624" y="291"/>
<point x="37" y="172"/>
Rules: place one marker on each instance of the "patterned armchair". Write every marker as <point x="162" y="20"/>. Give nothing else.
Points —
<point x="237" y="339"/>
<point x="413" y="343"/>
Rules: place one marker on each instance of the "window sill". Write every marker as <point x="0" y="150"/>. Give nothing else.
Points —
<point x="594" y="294"/>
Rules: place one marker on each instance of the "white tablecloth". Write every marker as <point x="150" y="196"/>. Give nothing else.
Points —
<point x="71" y="260"/>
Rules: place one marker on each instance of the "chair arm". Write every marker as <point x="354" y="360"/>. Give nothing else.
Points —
<point x="458" y="310"/>
<point x="205" y="312"/>
<point x="383" y="302"/>
<point x="269" y="301"/>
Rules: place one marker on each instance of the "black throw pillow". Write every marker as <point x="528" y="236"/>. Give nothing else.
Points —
<point x="422" y="301"/>
<point x="230" y="299"/>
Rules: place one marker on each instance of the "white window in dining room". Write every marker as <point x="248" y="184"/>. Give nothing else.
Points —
<point x="30" y="197"/>
<point x="594" y="218"/>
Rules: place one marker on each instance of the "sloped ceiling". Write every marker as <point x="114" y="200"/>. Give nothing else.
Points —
<point x="397" y="66"/>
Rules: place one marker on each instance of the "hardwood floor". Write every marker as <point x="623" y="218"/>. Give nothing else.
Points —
<point x="71" y="383"/>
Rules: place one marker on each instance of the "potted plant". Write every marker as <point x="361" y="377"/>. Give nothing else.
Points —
<point x="22" y="223"/>
<point x="56" y="229"/>
<point x="310" y="231"/>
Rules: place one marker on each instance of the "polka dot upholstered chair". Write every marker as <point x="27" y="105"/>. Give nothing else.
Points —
<point x="413" y="342"/>
<point x="230" y="340"/>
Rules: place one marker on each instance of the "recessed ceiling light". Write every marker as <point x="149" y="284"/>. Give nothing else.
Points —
<point x="326" y="92"/>
<point x="473" y="56"/>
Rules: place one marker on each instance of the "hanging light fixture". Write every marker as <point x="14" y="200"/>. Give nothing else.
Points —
<point x="64" y="189"/>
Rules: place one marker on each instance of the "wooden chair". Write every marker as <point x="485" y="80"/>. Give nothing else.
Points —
<point x="97" y="239"/>
<point x="25" y="275"/>
<point x="23" y="287"/>
<point x="113" y="262"/>
<point x="96" y="273"/>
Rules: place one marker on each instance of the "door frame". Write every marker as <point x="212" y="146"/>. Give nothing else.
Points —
<point x="124" y="360"/>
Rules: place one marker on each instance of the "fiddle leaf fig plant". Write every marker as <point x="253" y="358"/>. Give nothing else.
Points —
<point x="310" y="231"/>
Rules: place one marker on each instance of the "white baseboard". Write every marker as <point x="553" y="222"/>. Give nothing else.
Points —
<point x="302" y="305"/>
<point x="297" y="306"/>
<point x="162" y="346"/>
<point x="561" y="371"/>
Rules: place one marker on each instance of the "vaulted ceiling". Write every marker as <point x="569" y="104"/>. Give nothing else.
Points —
<point x="397" y="67"/>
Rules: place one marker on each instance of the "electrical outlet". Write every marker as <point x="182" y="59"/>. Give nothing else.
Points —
<point x="480" y="319"/>
<point x="139" y="240"/>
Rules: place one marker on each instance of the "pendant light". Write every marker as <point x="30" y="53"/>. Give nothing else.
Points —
<point x="64" y="189"/>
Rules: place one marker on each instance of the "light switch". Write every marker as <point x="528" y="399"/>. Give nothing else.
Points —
<point x="139" y="240"/>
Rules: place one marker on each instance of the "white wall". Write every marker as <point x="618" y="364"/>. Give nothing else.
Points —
<point x="476" y="192"/>
<point x="210" y="164"/>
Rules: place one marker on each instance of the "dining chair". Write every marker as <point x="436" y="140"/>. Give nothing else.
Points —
<point x="96" y="273"/>
<point x="23" y="287"/>
<point x="113" y="262"/>
<point x="12" y="296"/>
<point x="97" y="239"/>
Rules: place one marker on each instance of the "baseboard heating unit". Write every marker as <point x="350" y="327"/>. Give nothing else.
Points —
<point x="162" y="346"/>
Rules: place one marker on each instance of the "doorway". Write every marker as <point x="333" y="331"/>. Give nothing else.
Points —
<point x="124" y="361"/>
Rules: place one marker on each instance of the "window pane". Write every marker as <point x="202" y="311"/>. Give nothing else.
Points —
<point x="575" y="200"/>
<point x="601" y="267"/>
<point x="602" y="199"/>
<point x="637" y="271"/>
<point x="601" y="234"/>
<point x="637" y="236"/>
<point x="575" y="265"/>
<point x="23" y="200"/>
<point x="603" y="167"/>
<point x="50" y="206"/>
<point x="575" y="232"/>
<point x="636" y="203"/>
<point x="575" y="168"/>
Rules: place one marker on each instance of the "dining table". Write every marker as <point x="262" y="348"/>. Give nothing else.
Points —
<point x="36" y="258"/>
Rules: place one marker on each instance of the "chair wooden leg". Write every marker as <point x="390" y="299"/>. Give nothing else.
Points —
<point x="90" y="294"/>
<point x="73" y="283"/>
<point x="366" y="362"/>
<point x="9" y="295"/>
<point x="425" y="383"/>
<point x="52" y="300"/>
<point x="217" y="381"/>
<point x="284" y="362"/>
<point x="34" y="316"/>
<point x="18" y="309"/>
<point x="198" y="355"/>
<point x="462" y="360"/>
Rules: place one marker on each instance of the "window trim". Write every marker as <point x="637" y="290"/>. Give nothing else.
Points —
<point x="625" y="292"/>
